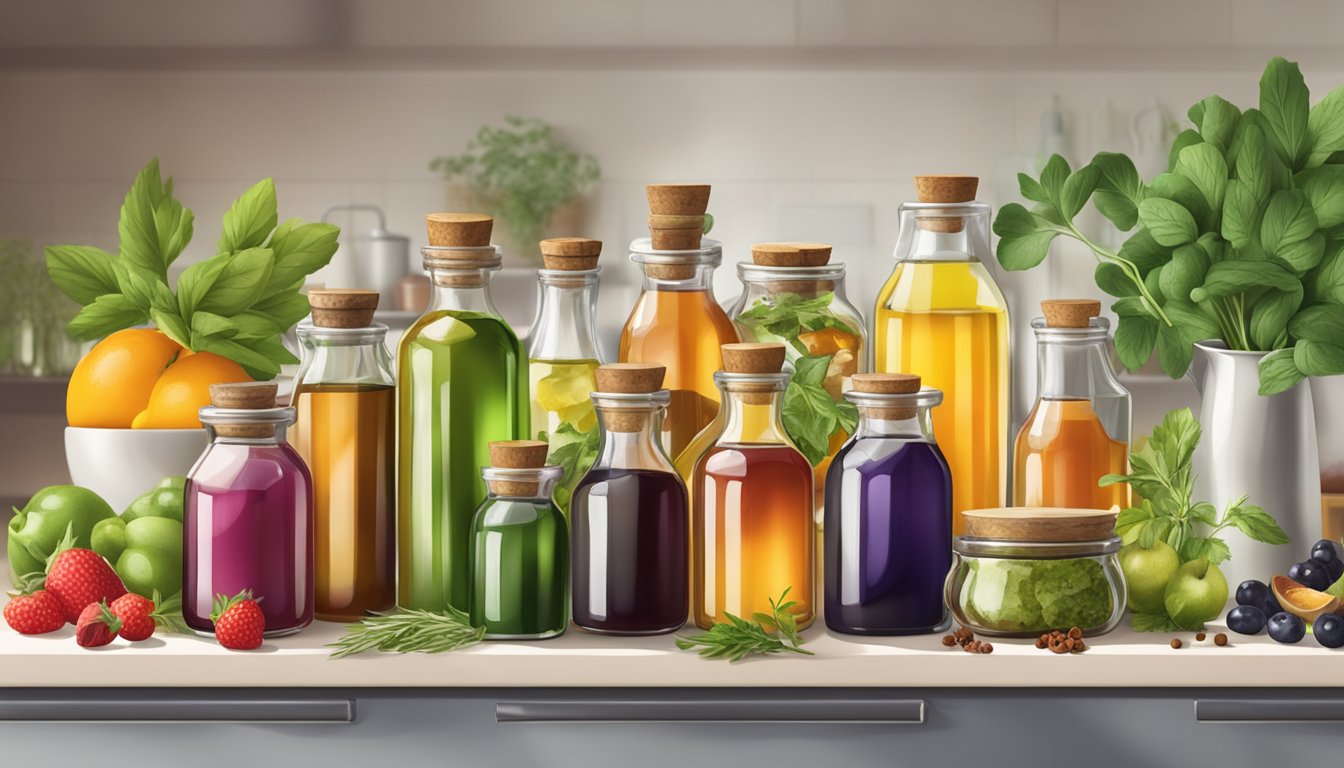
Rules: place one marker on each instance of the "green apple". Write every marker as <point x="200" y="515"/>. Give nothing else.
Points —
<point x="1196" y="594"/>
<point x="1147" y="571"/>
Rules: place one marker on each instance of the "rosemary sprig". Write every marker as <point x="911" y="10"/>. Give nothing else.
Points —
<point x="409" y="631"/>
<point x="775" y="632"/>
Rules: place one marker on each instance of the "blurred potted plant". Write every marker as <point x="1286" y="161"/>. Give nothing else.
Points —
<point x="33" y="315"/>
<point x="524" y="174"/>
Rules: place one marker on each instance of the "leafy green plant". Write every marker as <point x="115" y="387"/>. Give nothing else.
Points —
<point x="235" y="304"/>
<point x="525" y="170"/>
<point x="737" y="638"/>
<point x="787" y="315"/>
<point x="1241" y="240"/>
<point x="29" y="301"/>
<point x="409" y="631"/>
<point x="574" y="451"/>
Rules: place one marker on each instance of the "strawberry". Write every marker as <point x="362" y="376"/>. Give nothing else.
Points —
<point x="239" y="622"/>
<point x="137" y="616"/>
<point x="78" y="577"/>
<point x="97" y="625"/>
<point x="35" y="614"/>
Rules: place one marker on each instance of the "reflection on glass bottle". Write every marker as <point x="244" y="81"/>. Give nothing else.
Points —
<point x="752" y="530"/>
<point x="1078" y="431"/>
<point x="888" y="531"/>
<point x="461" y="384"/>
<point x="941" y="317"/>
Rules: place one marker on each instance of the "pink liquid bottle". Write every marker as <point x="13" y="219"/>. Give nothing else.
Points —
<point x="249" y="513"/>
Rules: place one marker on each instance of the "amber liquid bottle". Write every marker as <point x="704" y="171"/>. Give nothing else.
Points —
<point x="752" y="533"/>
<point x="345" y="404"/>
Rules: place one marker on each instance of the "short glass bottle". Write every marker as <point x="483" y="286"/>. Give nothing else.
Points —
<point x="519" y="547"/>
<point x="630" y="516"/>
<point x="248" y="518"/>
<point x="888" y="529"/>
<point x="752" y="529"/>
<point x="1078" y="430"/>
<point x="345" y="429"/>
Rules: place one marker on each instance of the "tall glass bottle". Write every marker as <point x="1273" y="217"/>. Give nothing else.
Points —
<point x="941" y="317"/>
<point x="1078" y="430"/>
<point x="888" y="525"/>
<point x="461" y="384"/>
<point x="248" y="517"/>
<point x="676" y="321"/>
<point x="751" y="499"/>
<point x="345" y="406"/>
<point x="563" y="353"/>
<point x="520" y="547"/>
<point x="630" y="516"/>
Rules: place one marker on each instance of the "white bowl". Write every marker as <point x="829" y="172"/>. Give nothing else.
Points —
<point x="121" y="464"/>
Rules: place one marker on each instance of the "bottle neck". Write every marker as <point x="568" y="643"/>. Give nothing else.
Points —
<point x="566" y="323"/>
<point x="750" y="414"/>
<point x="344" y="356"/>
<point x="1072" y="370"/>
<point x="688" y="277"/>
<point x="632" y="437"/>
<point x="461" y="290"/>
<point x="953" y="232"/>
<point x="901" y="423"/>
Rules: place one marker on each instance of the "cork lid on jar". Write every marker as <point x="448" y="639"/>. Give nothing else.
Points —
<point x="342" y="307"/>
<point x="945" y="189"/>
<point x="888" y="384"/>
<point x="516" y="454"/>
<point x="790" y="254"/>
<point x="244" y="396"/>
<point x="459" y="230"/>
<point x="1040" y="524"/>
<point x="629" y="379"/>
<point x="678" y="198"/>
<point x="1070" y="313"/>
<point x="676" y="223"/>
<point x="570" y="253"/>
<point x="752" y="358"/>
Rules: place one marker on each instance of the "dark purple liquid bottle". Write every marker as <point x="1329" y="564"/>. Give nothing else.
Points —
<point x="629" y="570"/>
<point x="888" y="537"/>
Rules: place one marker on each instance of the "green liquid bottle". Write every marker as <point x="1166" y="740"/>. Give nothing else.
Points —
<point x="462" y="383"/>
<point x="520" y="547"/>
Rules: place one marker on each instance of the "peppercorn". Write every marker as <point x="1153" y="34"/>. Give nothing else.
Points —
<point x="1075" y="634"/>
<point x="1175" y="642"/>
<point x="986" y="648"/>
<point x="1200" y="636"/>
<point x="1042" y="641"/>
<point x="949" y="640"/>
<point x="1220" y="639"/>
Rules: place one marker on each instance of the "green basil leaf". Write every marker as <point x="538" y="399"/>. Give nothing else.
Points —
<point x="106" y="314"/>
<point x="210" y="325"/>
<point x="1184" y="139"/>
<point x="1288" y="218"/>
<point x="1119" y="189"/>
<point x="1285" y="104"/>
<point x="272" y="347"/>
<point x="197" y="280"/>
<point x="811" y="369"/>
<point x="1185" y="272"/>
<point x="1031" y="189"/>
<point x="1169" y="222"/>
<point x="1318" y="322"/>
<point x="257" y="365"/>
<point x="253" y="324"/>
<point x="1077" y="189"/>
<point x="1135" y="337"/>
<point x="1241" y="214"/>
<point x="136" y="284"/>
<point x="807" y="418"/>
<point x="1318" y="358"/>
<point x="1112" y="279"/>
<point x="1326" y="282"/>
<point x="138" y="228"/>
<point x="1325" y="127"/>
<point x="82" y="272"/>
<point x="1270" y="316"/>
<point x="300" y="250"/>
<point x="1217" y="121"/>
<point x="1256" y="523"/>
<point x="172" y="325"/>
<point x="1144" y="252"/>
<point x="1203" y="164"/>
<point x="1255" y="161"/>
<point x="1053" y="176"/>
<point x="1022" y="244"/>
<point x="1174" y="352"/>
<point x="1179" y="189"/>
<point x="1192" y="323"/>
<point x="285" y="310"/>
<point x="1278" y="372"/>
<point x="1227" y="278"/>
<point x="174" y="224"/>
<point x="240" y="283"/>
<point x="1324" y="189"/>
<point x="1302" y="255"/>
<point x="250" y="219"/>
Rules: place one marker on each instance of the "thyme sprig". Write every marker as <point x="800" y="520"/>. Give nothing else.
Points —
<point x="409" y="631"/>
<point x="736" y="639"/>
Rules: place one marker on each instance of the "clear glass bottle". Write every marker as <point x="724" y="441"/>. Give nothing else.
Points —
<point x="941" y="317"/>
<point x="630" y="516"/>
<point x="563" y="353"/>
<point x="888" y="531"/>
<point x="248" y="517"/>
<point x="520" y="547"/>
<point x="752" y="529"/>
<point x="462" y="383"/>
<point x="345" y="429"/>
<point x="1078" y="430"/>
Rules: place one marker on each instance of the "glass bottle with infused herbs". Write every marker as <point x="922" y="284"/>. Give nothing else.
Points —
<point x="941" y="317"/>
<point x="676" y="321"/>
<point x="888" y="529"/>
<point x="752" y="530"/>
<point x="630" y="519"/>
<point x="345" y="425"/>
<point x="519" y="547"/>
<point x="793" y="295"/>
<point x="462" y="383"/>
<point x="563" y="353"/>
<point x="1078" y="430"/>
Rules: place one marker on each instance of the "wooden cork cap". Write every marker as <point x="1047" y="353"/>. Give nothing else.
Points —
<point x="790" y="254"/>
<point x="570" y="253"/>
<point x="630" y="378"/>
<point x="517" y="454"/>
<point x="691" y="199"/>
<point x="342" y="307"/>
<point x="945" y="189"/>
<point x="888" y="384"/>
<point x="1040" y="524"/>
<point x="753" y="358"/>
<point x="1070" y="313"/>
<point x="459" y="230"/>
<point x="246" y="396"/>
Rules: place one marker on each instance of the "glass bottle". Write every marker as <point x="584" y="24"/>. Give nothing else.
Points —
<point x="345" y="406"/>
<point x="941" y="317"/>
<point x="888" y="531"/>
<point x="676" y="321"/>
<point x="248" y="517"/>
<point x="751" y="498"/>
<point x="630" y="516"/>
<point x="520" y="548"/>
<point x="563" y="353"/>
<point x="462" y="383"/>
<point x="1078" y="430"/>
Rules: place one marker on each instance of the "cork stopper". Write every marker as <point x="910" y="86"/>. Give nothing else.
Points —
<point x="517" y="454"/>
<point x="628" y="379"/>
<point x="753" y="358"/>
<point x="888" y="384"/>
<point x="244" y="396"/>
<point x="459" y="230"/>
<point x="676" y="223"/>
<point x="570" y="253"/>
<point x="342" y="307"/>
<point x="791" y="254"/>
<point x="1070" y="313"/>
<point x="688" y="199"/>
<point x="945" y="189"/>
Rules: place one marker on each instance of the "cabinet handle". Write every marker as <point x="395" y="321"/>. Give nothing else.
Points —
<point x="1269" y="711"/>
<point x="268" y="711"/>
<point x="837" y="711"/>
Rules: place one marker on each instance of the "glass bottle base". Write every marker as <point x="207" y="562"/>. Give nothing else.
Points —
<point x="630" y="633"/>
<point x="942" y="626"/>
<point x="541" y="636"/>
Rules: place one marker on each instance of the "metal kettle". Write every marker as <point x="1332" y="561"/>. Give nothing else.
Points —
<point x="380" y="258"/>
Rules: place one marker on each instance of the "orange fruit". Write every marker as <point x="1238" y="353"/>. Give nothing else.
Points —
<point x="1303" y="602"/>
<point x="113" y="382"/>
<point x="184" y="388"/>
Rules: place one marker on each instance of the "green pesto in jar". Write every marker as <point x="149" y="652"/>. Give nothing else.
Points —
<point x="1029" y="595"/>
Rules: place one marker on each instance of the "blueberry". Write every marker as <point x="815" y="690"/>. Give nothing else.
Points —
<point x="1253" y="592"/>
<point x="1286" y="628"/>
<point x="1327" y="553"/>
<point x="1246" y="620"/>
<point x="1272" y="606"/>
<point x="1311" y="574"/>
<point x="1329" y="630"/>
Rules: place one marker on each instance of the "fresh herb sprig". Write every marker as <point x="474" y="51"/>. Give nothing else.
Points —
<point x="787" y="316"/>
<point x="409" y="631"/>
<point x="736" y="639"/>
<point x="809" y="414"/>
<point x="574" y="451"/>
